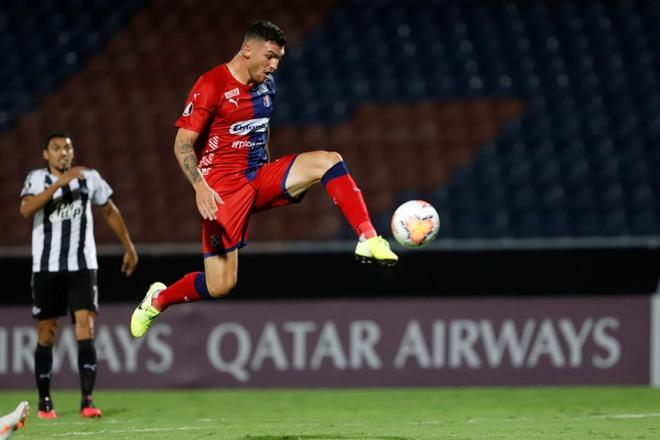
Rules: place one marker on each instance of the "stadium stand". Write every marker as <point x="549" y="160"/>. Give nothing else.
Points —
<point x="506" y="115"/>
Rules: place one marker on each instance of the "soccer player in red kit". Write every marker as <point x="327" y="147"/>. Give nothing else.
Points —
<point x="221" y="146"/>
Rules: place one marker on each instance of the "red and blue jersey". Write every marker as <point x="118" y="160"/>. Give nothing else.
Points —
<point x="232" y="120"/>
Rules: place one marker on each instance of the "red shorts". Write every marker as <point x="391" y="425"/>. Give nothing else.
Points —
<point x="229" y="230"/>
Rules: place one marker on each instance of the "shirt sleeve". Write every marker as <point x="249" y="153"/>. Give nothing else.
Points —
<point x="200" y="105"/>
<point x="100" y="191"/>
<point x="31" y="186"/>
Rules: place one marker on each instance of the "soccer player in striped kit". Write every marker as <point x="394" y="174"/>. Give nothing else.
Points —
<point x="64" y="261"/>
<point x="221" y="146"/>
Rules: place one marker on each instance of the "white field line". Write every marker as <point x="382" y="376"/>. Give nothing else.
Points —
<point x="86" y="422"/>
<point x="623" y="416"/>
<point x="591" y="417"/>
<point x="127" y="431"/>
<point x="310" y="425"/>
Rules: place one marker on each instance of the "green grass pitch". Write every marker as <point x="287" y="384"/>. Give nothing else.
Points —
<point x="388" y="414"/>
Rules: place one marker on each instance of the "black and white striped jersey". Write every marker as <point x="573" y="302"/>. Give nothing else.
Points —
<point x="63" y="230"/>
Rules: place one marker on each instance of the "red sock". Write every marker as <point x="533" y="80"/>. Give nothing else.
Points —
<point x="344" y="193"/>
<point x="190" y="288"/>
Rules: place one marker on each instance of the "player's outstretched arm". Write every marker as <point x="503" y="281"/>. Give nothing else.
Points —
<point x="116" y="222"/>
<point x="184" y="150"/>
<point x="32" y="204"/>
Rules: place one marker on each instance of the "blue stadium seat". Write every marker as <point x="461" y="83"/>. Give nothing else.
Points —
<point x="581" y="159"/>
<point x="44" y="44"/>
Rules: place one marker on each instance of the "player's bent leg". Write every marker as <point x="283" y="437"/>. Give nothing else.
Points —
<point x="145" y="313"/>
<point x="308" y="169"/>
<point x="221" y="273"/>
<point x="329" y="169"/>
<point x="14" y="420"/>
<point x="219" y="278"/>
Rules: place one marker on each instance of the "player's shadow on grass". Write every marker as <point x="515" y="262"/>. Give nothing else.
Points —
<point x="111" y="412"/>
<point x="320" y="437"/>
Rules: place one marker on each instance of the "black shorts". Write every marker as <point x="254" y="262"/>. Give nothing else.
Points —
<point x="55" y="293"/>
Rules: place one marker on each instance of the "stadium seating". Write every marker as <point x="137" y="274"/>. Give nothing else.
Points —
<point x="577" y="161"/>
<point x="515" y="119"/>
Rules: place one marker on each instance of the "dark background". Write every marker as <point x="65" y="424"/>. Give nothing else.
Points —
<point x="311" y="276"/>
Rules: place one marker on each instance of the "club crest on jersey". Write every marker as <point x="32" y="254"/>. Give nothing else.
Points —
<point x="215" y="241"/>
<point x="262" y="88"/>
<point x="267" y="101"/>
<point x="188" y="110"/>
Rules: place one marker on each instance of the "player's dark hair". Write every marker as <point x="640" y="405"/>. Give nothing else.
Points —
<point x="267" y="31"/>
<point x="55" y="134"/>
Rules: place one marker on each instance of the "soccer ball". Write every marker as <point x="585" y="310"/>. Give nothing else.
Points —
<point x="415" y="224"/>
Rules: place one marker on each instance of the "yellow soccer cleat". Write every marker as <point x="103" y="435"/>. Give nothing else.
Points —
<point x="14" y="420"/>
<point x="375" y="249"/>
<point x="145" y="314"/>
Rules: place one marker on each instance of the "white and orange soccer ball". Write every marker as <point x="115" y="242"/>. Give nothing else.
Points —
<point x="415" y="224"/>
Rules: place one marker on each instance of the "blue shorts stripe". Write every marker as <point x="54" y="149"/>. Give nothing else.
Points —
<point x="283" y="182"/>
<point x="226" y="251"/>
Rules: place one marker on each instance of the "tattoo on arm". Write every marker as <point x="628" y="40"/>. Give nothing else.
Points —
<point x="186" y="151"/>
<point x="190" y="168"/>
<point x="185" y="146"/>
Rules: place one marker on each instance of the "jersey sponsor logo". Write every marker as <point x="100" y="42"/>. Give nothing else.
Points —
<point x="188" y="110"/>
<point x="266" y="101"/>
<point x="258" y="125"/>
<point x="234" y="101"/>
<point x="64" y="211"/>
<point x="246" y="144"/>
<point x="213" y="143"/>
<point x="231" y="93"/>
<point x="205" y="163"/>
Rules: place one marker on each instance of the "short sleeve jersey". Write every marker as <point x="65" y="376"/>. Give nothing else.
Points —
<point x="232" y="120"/>
<point x="63" y="230"/>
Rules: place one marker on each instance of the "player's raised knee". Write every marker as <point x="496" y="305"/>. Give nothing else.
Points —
<point x="326" y="160"/>
<point x="220" y="287"/>
<point x="332" y="158"/>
